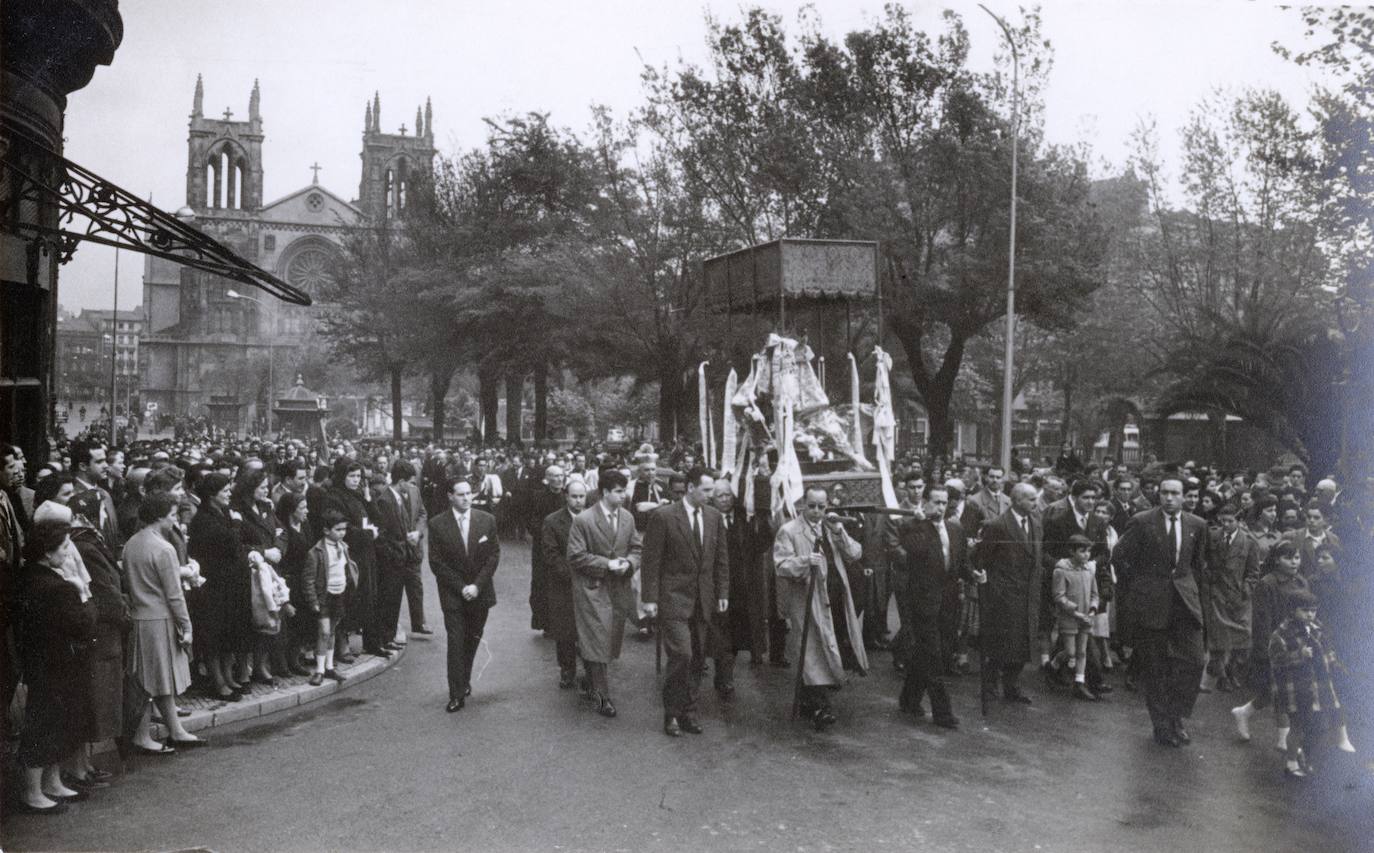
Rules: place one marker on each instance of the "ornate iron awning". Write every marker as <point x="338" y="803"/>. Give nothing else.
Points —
<point x="115" y="217"/>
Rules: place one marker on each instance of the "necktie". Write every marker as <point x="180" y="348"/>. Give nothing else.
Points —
<point x="1025" y="526"/>
<point x="696" y="526"/>
<point x="463" y="528"/>
<point x="944" y="541"/>
<point x="1173" y="537"/>
<point x="615" y="523"/>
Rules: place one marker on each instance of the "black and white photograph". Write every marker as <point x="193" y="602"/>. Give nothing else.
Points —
<point x="765" y="425"/>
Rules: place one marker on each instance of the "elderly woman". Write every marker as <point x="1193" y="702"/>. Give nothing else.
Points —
<point x="162" y="626"/>
<point x="224" y="612"/>
<point x="258" y="531"/>
<point x="55" y="625"/>
<point x="103" y="716"/>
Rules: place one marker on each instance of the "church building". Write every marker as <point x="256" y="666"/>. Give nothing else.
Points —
<point x="206" y="341"/>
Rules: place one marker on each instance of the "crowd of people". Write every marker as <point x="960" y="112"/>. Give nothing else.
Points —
<point x="134" y="574"/>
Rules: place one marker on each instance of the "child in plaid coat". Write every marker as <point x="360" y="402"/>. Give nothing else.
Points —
<point x="1300" y="665"/>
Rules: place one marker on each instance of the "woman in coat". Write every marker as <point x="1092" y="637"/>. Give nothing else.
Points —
<point x="224" y="618"/>
<point x="293" y="513"/>
<point x="347" y="495"/>
<point x="162" y="626"/>
<point x="55" y="627"/>
<point x="104" y="713"/>
<point x="258" y="532"/>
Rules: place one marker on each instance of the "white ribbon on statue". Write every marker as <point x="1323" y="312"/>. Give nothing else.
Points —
<point x="884" y="424"/>
<point x="704" y="415"/>
<point x="729" y="438"/>
<point x="857" y="426"/>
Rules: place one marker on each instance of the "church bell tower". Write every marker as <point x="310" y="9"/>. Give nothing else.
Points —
<point x="393" y="161"/>
<point x="224" y="157"/>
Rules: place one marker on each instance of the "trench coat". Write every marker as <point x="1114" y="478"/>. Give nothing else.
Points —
<point x="792" y="548"/>
<point x="602" y="600"/>
<point x="551" y="540"/>
<point x="1232" y="572"/>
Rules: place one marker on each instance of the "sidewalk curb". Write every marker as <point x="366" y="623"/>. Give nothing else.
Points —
<point x="274" y="702"/>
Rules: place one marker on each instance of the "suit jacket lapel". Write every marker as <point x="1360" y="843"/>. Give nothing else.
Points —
<point x="686" y="520"/>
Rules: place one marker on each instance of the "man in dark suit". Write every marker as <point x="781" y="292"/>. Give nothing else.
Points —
<point x="1008" y="575"/>
<point x="1158" y="562"/>
<point x="1074" y="517"/>
<point x="744" y="627"/>
<point x="397" y="554"/>
<point x="990" y="500"/>
<point x="403" y="477"/>
<point x="936" y="558"/>
<point x="686" y="578"/>
<point x="463" y="553"/>
<point x="89" y="467"/>
<point x="1123" y="504"/>
<point x="560" y="613"/>
<point x="548" y="499"/>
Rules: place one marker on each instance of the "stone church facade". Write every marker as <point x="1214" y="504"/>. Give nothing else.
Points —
<point x="204" y="336"/>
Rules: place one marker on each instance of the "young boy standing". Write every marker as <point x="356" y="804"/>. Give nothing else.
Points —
<point x="1074" y="587"/>
<point x="1300" y="664"/>
<point x="328" y="574"/>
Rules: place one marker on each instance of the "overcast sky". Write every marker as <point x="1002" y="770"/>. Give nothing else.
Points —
<point x="318" y="62"/>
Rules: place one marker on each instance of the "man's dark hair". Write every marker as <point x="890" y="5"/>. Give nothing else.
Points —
<point x="81" y="453"/>
<point x="401" y="470"/>
<point x="287" y="468"/>
<point x="696" y="473"/>
<point x="332" y="518"/>
<point x="162" y="480"/>
<point x="675" y="478"/>
<point x="1084" y="485"/>
<point x="931" y="488"/>
<point x="612" y="478"/>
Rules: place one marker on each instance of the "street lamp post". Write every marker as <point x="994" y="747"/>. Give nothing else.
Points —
<point x="1011" y="240"/>
<point x="271" y="352"/>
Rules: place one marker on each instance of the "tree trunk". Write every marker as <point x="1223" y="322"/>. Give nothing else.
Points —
<point x="515" y="405"/>
<point x="937" y="389"/>
<point x="487" y="396"/>
<point x="1065" y="425"/>
<point x="439" y="381"/>
<point x="396" y="403"/>
<point x="669" y="392"/>
<point x="541" y="401"/>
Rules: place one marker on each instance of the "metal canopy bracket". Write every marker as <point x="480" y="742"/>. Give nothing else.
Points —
<point x="116" y="217"/>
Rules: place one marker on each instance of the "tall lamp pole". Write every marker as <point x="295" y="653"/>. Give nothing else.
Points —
<point x="1011" y="240"/>
<point x="271" y="352"/>
<point x="114" y="349"/>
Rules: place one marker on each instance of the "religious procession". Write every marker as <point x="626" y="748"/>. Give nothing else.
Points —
<point x="815" y="446"/>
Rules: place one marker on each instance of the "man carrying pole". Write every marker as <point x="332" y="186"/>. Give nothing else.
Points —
<point x="810" y="553"/>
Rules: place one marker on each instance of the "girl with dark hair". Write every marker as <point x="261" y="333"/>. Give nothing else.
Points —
<point x="1262" y="524"/>
<point x="224" y="621"/>
<point x="1269" y="604"/>
<point x="54" y="626"/>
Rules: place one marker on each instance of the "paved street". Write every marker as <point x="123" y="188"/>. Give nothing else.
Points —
<point x="528" y="767"/>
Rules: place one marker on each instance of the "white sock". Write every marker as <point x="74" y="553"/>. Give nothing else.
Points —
<point x="1079" y="679"/>
<point x="1246" y="710"/>
<point x="1044" y="659"/>
<point x="1283" y="738"/>
<point x="1292" y="765"/>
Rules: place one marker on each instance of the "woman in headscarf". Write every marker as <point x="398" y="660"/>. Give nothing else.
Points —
<point x="348" y="495"/>
<point x="293" y="514"/>
<point x="162" y="626"/>
<point x="55" y="627"/>
<point x="104" y="711"/>
<point x="258" y="533"/>
<point x="224" y="623"/>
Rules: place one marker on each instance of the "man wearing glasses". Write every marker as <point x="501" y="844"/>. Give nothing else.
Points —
<point x="816" y="543"/>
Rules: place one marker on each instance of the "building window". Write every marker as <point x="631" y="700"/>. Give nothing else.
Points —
<point x="269" y="242"/>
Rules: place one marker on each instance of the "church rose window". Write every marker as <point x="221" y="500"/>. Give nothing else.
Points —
<point x="309" y="269"/>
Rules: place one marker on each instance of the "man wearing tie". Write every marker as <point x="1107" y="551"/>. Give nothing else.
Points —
<point x="935" y="551"/>
<point x="403" y="481"/>
<point x="1008" y="575"/>
<point x="603" y="552"/>
<point x="397" y="554"/>
<point x="89" y="466"/>
<point x="463" y="553"/>
<point x="1158" y="562"/>
<point x="686" y="573"/>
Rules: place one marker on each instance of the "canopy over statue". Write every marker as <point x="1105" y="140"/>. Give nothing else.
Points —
<point x="794" y="271"/>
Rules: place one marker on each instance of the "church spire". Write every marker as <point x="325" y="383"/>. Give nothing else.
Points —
<point x="254" y="102"/>
<point x="377" y="112"/>
<point x="429" y="120"/>
<point x="367" y="117"/>
<point x="419" y="123"/>
<point x="198" y="101"/>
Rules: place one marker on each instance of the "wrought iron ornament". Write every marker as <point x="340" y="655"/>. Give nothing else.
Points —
<point x="116" y="217"/>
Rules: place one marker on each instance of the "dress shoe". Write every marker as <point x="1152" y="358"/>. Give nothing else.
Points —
<point x="193" y="743"/>
<point x="1102" y="689"/>
<point x="566" y="680"/>
<point x="605" y="708"/>
<point x="454" y="705"/>
<point x="689" y="725"/>
<point x="1181" y="734"/>
<point x="1081" y="691"/>
<point x="1016" y="696"/>
<point x="1164" y="737"/>
<point x="377" y="651"/>
<point x="950" y="722"/>
<point x="265" y="680"/>
<point x="584" y="686"/>
<point x="671" y="728"/>
<point x="346" y="657"/>
<point x="231" y="696"/>
<point x="58" y="807"/>
<point x="88" y="783"/>
<point x="316" y="679"/>
<point x="823" y="718"/>
<point x="335" y="675"/>
<point x="1129" y="682"/>
<point x="297" y="669"/>
<point x="424" y="630"/>
<point x="393" y="646"/>
<point x="467" y="691"/>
